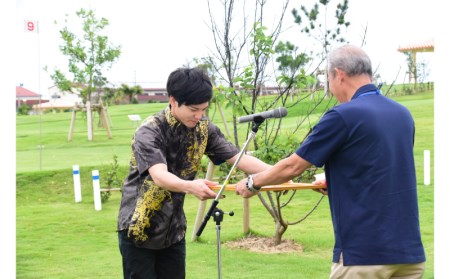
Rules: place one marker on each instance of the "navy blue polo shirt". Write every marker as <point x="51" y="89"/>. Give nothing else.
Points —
<point x="366" y="145"/>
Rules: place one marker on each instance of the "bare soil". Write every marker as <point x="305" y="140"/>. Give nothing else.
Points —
<point x="265" y="245"/>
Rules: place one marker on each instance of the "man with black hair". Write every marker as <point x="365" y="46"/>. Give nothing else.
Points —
<point x="167" y="151"/>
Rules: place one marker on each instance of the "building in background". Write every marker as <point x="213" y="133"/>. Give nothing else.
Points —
<point x="27" y="97"/>
<point x="59" y="100"/>
<point x="155" y="95"/>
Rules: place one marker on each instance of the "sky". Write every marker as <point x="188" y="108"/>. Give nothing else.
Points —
<point x="156" y="37"/>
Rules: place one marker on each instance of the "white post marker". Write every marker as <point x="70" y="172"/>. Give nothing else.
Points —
<point x="96" y="185"/>
<point x="76" y="182"/>
<point x="426" y="167"/>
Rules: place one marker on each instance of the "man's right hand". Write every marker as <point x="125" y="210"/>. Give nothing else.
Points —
<point x="324" y="190"/>
<point x="201" y="190"/>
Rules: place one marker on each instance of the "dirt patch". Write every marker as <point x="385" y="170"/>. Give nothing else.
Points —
<point x="265" y="245"/>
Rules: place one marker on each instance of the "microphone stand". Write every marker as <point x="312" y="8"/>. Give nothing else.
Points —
<point x="218" y="217"/>
<point x="257" y="121"/>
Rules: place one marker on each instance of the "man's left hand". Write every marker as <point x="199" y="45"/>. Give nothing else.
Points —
<point x="241" y="189"/>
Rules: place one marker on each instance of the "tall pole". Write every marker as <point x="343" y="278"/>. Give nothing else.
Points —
<point x="40" y="97"/>
<point x="32" y="26"/>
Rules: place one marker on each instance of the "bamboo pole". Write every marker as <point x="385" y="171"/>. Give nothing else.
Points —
<point x="89" y="120"/>
<point x="202" y="204"/>
<point x="246" y="216"/>
<point x="104" y="120"/>
<point x="72" y="124"/>
<point x="281" y="187"/>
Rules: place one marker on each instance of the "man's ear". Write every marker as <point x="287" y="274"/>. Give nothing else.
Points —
<point x="172" y="101"/>
<point x="340" y="75"/>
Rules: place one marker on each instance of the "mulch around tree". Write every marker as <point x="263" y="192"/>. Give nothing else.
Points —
<point x="265" y="245"/>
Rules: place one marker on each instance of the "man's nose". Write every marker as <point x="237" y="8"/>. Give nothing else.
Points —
<point x="198" y="115"/>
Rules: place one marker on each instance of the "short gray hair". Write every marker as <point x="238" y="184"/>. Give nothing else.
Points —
<point x="350" y="59"/>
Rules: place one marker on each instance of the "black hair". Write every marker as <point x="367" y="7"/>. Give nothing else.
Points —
<point x="189" y="86"/>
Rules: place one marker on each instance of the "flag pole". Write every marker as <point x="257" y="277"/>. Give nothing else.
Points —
<point x="40" y="98"/>
<point x="32" y="26"/>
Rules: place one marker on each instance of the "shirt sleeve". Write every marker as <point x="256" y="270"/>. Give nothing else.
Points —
<point x="326" y="138"/>
<point x="148" y="147"/>
<point x="218" y="148"/>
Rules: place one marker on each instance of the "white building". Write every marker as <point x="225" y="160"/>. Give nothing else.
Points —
<point x="60" y="100"/>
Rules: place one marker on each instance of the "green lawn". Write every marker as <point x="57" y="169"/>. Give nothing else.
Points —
<point x="58" y="238"/>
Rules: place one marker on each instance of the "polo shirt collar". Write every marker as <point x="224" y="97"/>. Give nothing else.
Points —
<point x="364" y="89"/>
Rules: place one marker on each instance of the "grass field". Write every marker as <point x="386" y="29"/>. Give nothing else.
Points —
<point x="58" y="238"/>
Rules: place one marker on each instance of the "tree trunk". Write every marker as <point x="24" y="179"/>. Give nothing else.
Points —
<point x="89" y="120"/>
<point x="279" y="231"/>
<point x="236" y="138"/>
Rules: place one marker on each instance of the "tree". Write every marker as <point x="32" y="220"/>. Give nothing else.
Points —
<point x="110" y="95"/>
<point x="131" y="92"/>
<point x="238" y="80"/>
<point x="88" y="56"/>
<point x="242" y="78"/>
<point x="319" y="28"/>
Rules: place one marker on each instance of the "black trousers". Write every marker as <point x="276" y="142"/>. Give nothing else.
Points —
<point x="137" y="263"/>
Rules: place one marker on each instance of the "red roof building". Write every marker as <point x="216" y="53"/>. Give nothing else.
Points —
<point x="23" y="93"/>
<point x="158" y="95"/>
<point x="27" y="97"/>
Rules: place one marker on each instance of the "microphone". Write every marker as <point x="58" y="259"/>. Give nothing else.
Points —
<point x="276" y="113"/>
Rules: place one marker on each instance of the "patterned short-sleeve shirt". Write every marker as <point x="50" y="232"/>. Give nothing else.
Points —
<point x="154" y="216"/>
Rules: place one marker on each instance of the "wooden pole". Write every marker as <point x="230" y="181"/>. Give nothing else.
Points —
<point x="89" y="119"/>
<point x="107" y="117"/>
<point x="222" y="115"/>
<point x="246" y="216"/>
<point x="72" y="124"/>
<point x="104" y="120"/>
<point x="414" y="69"/>
<point x="202" y="204"/>
<point x="281" y="187"/>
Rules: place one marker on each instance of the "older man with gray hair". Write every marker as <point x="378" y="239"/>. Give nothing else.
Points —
<point x="366" y="145"/>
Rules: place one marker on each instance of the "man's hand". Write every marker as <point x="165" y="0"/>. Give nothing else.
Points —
<point x="323" y="182"/>
<point x="241" y="189"/>
<point x="201" y="190"/>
